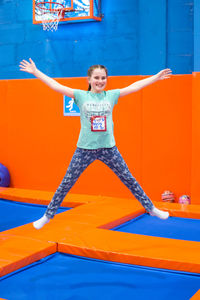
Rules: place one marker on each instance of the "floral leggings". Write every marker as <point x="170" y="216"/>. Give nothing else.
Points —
<point x="81" y="159"/>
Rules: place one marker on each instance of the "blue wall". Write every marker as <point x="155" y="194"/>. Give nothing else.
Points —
<point x="196" y="35"/>
<point x="134" y="37"/>
<point x="180" y="28"/>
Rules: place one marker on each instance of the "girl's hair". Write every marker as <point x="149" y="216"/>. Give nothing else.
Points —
<point x="92" y="68"/>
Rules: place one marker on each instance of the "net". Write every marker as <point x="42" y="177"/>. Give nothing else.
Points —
<point x="50" y="13"/>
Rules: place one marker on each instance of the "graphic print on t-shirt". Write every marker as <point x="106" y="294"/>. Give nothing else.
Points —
<point x="91" y="109"/>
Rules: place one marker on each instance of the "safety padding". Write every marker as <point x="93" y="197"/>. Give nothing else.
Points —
<point x="196" y="296"/>
<point x="44" y="197"/>
<point x="134" y="249"/>
<point x="17" y="252"/>
<point x="180" y="210"/>
<point x="106" y="213"/>
<point x="83" y="231"/>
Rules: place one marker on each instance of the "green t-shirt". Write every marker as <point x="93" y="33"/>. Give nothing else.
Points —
<point x="96" y="118"/>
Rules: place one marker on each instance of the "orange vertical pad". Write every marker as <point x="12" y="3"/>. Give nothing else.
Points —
<point x="195" y="182"/>
<point x="166" y="137"/>
<point x="152" y="131"/>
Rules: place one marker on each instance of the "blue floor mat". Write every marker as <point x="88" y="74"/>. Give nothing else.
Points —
<point x="14" y="214"/>
<point x="67" y="277"/>
<point x="173" y="227"/>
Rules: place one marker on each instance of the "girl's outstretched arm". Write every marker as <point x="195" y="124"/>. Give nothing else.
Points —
<point x="138" y="85"/>
<point x="31" y="68"/>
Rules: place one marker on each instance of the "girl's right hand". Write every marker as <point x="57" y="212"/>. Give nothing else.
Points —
<point x="26" y="66"/>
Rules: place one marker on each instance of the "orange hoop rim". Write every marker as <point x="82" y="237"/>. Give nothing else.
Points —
<point x="46" y="10"/>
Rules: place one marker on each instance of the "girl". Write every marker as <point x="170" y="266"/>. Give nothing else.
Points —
<point x="96" y="139"/>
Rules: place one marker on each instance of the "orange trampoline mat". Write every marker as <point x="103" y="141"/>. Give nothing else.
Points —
<point x="83" y="231"/>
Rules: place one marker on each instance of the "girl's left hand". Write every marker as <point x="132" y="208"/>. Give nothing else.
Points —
<point x="164" y="74"/>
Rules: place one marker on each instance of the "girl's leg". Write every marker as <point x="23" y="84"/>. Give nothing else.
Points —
<point x="80" y="161"/>
<point x="113" y="159"/>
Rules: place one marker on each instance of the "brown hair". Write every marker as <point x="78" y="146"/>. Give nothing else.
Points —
<point x="92" y="68"/>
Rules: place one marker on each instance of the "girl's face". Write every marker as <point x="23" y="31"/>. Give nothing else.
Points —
<point x="98" y="80"/>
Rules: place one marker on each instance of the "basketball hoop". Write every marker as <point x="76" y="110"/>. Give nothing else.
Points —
<point x="50" y="13"/>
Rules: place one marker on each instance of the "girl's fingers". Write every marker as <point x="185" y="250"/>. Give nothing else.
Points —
<point x="23" y="64"/>
<point x="167" y="71"/>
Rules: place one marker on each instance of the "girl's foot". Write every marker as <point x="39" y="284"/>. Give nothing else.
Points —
<point x="41" y="222"/>
<point x="155" y="212"/>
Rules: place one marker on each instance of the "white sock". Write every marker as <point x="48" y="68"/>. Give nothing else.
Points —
<point x="155" y="212"/>
<point x="41" y="222"/>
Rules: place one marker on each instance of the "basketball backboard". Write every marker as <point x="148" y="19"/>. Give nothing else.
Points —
<point x="72" y="10"/>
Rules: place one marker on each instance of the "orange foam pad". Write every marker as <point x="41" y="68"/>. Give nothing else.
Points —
<point x="105" y="213"/>
<point x="79" y="219"/>
<point x="44" y="197"/>
<point x="96" y="242"/>
<point x="180" y="210"/>
<point x="18" y="251"/>
<point x="196" y="296"/>
<point x="82" y="231"/>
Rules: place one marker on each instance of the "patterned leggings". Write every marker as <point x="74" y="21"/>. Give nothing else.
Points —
<point x="81" y="159"/>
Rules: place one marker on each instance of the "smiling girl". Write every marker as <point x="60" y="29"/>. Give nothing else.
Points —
<point x="96" y="140"/>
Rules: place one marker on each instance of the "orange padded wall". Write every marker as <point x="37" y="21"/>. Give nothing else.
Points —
<point x="152" y="130"/>
<point x="195" y="183"/>
<point x="167" y="127"/>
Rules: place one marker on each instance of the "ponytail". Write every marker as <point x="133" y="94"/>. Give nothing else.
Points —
<point x="89" y="87"/>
